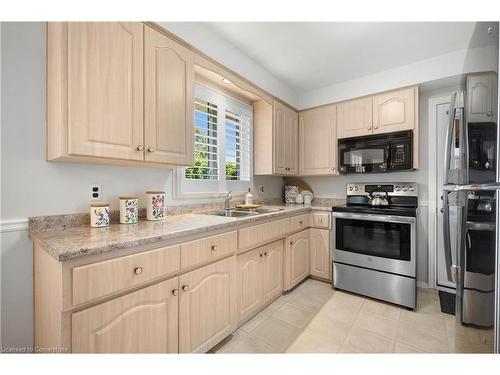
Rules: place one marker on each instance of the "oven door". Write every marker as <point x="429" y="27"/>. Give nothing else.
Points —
<point x="381" y="242"/>
<point x="364" y="159"/>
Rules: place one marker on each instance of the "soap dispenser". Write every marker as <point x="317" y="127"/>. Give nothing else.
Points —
<point x="248" y="198"/>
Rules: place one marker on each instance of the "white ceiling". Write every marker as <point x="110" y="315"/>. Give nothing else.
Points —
<point x="311" y="55"/>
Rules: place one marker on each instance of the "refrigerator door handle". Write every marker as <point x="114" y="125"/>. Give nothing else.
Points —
<point x="446" y="238"/>
<point x="449" y="139"/>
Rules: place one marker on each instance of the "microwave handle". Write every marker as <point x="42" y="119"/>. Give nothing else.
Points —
<point x="388" y="158"/>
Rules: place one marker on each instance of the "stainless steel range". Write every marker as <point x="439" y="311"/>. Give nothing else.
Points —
<point x="374" y="242"/>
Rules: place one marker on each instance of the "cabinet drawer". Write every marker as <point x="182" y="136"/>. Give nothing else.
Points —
<point x="299" y="222"/>
<point x="205" y="249"/>
<point x="260" y="234"/>
<point x="100" y="279"/>
<point x="321" y="219"/>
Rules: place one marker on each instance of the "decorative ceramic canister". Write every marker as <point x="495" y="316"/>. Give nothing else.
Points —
<point x="291" y="193"/>
<point x="129" y="210"/>
<point x="155" y="205"/>
<point x="99" y="215"/>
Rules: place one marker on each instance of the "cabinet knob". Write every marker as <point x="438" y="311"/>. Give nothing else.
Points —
<point x="151" y="149"/>
<point x="375" y="127"/>
<point x="140" y="148"/>
<point x="265" y="254"/>
<point x="369" y="128"/>
<point x="185" y="288"/>
<point x="489" y="114"/>
<point x="300" y="222"/>
<point x="261" y="255"/>
<point x="175" y="292"/>
<point x="213" y="247"/>
<point x="291" y="242"/>
<point x="138" y="270"/>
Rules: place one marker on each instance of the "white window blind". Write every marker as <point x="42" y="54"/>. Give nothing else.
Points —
<point x="223" y="146"/>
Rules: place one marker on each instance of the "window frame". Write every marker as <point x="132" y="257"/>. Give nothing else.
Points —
<point x="197" y="189"/>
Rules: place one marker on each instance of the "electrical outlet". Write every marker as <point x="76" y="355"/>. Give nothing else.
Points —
<point x="261" y="188"/>
<point x="95" y="192"/>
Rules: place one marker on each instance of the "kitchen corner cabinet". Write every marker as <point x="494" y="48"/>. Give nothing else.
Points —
<point x="318" y="141"/>
<point x="259" y="278"/>
<point x="101" y="110"/>
<point x="144" y="321"/>
<point x="207" y="301"/>
<point x="297" y="259"/>
<point x="481" y="97"/>
<point x="276" y="131"/>
<point x="320" y="265"/>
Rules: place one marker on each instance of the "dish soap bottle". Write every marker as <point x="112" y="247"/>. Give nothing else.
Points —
<point x="248" y="198"/>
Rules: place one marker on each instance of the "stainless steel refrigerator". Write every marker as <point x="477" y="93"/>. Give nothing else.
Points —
<point x="471" y="209"/>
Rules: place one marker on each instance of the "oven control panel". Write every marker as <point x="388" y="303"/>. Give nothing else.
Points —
<point x="408" y="189"/>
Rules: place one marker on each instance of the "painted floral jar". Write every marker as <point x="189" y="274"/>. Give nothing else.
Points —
<point x="129" y="210"/>
<point x="155" y="201"/>
<point x="99" y="215"/>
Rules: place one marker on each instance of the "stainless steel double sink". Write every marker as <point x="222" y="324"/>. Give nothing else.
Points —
<point x="243" y="212"/>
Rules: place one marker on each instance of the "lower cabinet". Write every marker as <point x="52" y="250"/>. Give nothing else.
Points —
<point x="144" y="321"/>
<point x="207" y="301"/>
<point x="259" y="278"/>
<point x="297" y="259"/>
<point x="319" y="260"/>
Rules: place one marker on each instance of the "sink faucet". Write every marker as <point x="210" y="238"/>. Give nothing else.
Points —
<point x="227" y="201"/>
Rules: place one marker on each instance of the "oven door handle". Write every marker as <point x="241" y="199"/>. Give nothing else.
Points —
<point x="372" y="217"/>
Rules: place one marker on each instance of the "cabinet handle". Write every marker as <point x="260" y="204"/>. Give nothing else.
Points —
<point x="175" y="292"/>
<point x="213" y="247"/>
<point x="138" y="270"/>
<point x="140" y="148"/>
<point x="151" y="149"/>
<point x="185" y="288"/>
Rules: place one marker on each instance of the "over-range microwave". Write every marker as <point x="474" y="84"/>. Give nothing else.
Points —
<point x="388" y="152"/>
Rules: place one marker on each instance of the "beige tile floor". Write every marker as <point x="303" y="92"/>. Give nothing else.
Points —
<point x="314" y="318"/>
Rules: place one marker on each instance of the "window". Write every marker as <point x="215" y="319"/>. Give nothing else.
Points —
<point x="222" y="147"/>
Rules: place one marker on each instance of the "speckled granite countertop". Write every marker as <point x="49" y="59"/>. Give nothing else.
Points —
<point x="74" y="242"/>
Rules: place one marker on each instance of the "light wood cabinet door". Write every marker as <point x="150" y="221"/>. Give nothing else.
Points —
<point x="354" y="118"/>
<point x="168" y="100"/>
<point x="318" y="141"/>
<point x="273" y="270"/>
<point x="250" y="281"/>
<point x="207" y="304"/>
<point x="394" y="111"/>
<point x="292" y="146"/>
<point x="105" y="89"/>
<point x="280" y="139"/>
<point x="145" y="321"/>
<point x="481" y="97"/>
<point x="320" y="253"/>
<point x="297" y="261"/>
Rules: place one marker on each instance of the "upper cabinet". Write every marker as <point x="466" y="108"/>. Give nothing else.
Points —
<point x="105" y="106"/>
<point x="354" y="118"/>
<point x="394" y="111"/>
<point x="481" y="97"/>
<point x="168" y="100"/>
<point x="318" y="141"/>
<point x="276" y="129"/>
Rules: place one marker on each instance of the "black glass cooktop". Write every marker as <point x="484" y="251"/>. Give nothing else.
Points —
<point x="391" y="210"/>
